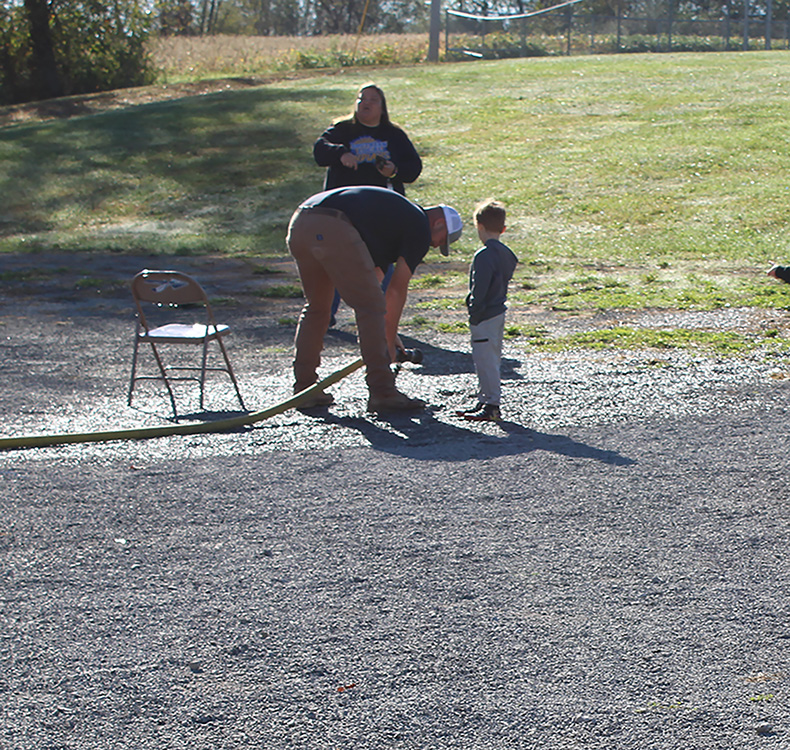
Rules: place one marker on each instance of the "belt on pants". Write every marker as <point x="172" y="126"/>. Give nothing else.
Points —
<point x="324" y="211"/>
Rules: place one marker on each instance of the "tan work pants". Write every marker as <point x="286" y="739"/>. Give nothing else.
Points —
<point x="330" y="254"/>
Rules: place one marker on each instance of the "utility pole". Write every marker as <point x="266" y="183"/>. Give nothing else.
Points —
<point x="433" y="35"/>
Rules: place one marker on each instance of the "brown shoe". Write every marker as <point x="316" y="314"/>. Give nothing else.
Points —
<point x="396" y="401"/>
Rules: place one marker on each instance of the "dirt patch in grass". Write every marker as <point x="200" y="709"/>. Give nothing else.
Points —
<point x="88" y="284"/>
<point x="88" y="104"/>
<point x="99" y="282"/>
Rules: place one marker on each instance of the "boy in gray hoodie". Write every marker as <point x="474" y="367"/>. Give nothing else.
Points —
<point x="489" y="275"/>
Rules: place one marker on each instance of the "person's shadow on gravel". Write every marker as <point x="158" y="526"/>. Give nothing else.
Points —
<point x="423" y="436"/>
<point x="438" y="361"/>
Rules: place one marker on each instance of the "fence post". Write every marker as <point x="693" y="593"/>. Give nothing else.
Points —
<point x="570" y="24"/>
<point x="670" y="18"/>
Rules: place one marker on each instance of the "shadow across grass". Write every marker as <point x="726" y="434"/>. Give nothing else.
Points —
<point x="187" y="175"/>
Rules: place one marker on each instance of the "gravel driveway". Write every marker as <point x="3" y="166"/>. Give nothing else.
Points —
<point x="607" y="568"/>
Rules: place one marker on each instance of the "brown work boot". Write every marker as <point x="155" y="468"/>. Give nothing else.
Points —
<point x="395" y="401"/>
<point x="317" y="399"/>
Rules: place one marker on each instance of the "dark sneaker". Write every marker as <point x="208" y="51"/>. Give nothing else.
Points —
<point x="463" y="412"/>
<point x="394" y="402"/>
<point x="486" y="413"/>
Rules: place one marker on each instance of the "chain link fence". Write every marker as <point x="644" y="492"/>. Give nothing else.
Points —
<point x="569" y="30"/>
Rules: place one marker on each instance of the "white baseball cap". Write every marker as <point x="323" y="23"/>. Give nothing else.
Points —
<point x="455" y="226"/>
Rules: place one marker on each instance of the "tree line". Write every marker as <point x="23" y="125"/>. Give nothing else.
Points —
<point x="311" y="17"/>
<point x="51" y="48"/>
<point x="289" y="17"/>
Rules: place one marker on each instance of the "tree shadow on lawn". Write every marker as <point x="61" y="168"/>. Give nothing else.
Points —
<point x="175" y="160"/>
<point x="424" y="437"/>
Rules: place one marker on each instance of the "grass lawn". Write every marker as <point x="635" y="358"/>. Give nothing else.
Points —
<point x="631" y="181"/>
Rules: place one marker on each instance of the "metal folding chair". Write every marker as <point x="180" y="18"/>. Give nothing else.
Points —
<point x="172" y="289"/>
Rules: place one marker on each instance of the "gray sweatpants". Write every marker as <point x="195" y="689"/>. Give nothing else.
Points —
<point x="487" y="354"/>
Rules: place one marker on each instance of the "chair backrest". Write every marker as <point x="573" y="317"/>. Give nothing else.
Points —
<point x="167" y="288"/>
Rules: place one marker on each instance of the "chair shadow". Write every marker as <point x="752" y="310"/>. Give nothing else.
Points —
<point x="213" y="416"/>
<point x="194" y="416"/>
<point x="424" y="437"/>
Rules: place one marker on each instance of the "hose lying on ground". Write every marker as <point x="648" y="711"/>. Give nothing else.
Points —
<point x="141" y="433"/>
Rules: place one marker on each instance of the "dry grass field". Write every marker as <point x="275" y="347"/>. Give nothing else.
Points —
<point x="193" y="58"/>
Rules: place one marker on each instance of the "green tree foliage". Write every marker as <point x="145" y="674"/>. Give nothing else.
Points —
<point x="60" y="47"/>
<point x="175" y="18"/>
<point x="307" y="17"/>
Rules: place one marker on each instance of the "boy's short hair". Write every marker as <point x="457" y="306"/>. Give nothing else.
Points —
<point x="490" y="214"/>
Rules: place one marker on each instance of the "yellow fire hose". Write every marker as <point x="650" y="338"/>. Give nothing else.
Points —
<point x="142" y="433"/>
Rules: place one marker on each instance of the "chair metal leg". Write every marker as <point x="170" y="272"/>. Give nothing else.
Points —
<point x="166" y="380"/>
<point x="164" y="376"/>
<point x="203" y="370"/>
<point x="230" y="372"/>
<point x="134" y="366"/>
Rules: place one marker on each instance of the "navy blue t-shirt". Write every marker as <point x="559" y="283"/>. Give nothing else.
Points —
<point x="389" y="224"/>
